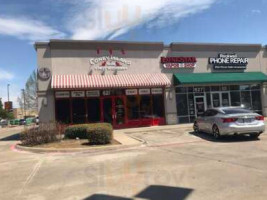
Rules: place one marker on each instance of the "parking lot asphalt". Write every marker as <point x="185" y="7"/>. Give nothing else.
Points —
<point x="174" y="164"/>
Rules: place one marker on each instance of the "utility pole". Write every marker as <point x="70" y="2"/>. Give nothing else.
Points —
<point x="24" y="112"/>
<point x="8" y="92"/>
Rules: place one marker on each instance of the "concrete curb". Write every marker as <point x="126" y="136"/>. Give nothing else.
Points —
<point x="102" y="149"/>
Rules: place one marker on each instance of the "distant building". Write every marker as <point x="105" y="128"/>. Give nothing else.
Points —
<point x="19" y="113"/>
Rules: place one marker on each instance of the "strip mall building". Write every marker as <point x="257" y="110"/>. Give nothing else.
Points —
<point x="130" y="84"/>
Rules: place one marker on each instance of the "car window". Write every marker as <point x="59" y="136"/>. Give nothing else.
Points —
<point x="235" y="111"/>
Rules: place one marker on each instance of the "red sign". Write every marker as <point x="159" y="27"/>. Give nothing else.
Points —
<point x="178" y="62"/>
<point x="8" y="106"/>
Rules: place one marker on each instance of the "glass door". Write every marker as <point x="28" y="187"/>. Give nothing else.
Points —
<point x="200" y="105"/>
<point x="119" y="111"/>
<point x="220" y="99"/>
<point x="225" y="99"/>
<point x="216" y="100"/>
<point x="107" y="110"/>
<point x="113" y="110"/>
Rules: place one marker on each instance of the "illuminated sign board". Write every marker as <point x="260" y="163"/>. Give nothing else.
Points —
<point x="228" y="62"/>
<point x="178" y="62"/>
<point x="109" y="63"/>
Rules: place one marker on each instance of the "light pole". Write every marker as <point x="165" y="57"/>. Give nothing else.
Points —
<point x="23" y="92"/>
<point x="8" y="92"/>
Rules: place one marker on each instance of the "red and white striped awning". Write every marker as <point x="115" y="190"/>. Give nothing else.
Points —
<point x="109" y="81"/>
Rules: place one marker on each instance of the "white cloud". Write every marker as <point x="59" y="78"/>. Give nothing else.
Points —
<point x="256" y="11"/>
<point x="29" y="29"/>
<point x="5" y="75"/>
<point x="106" y="18"/>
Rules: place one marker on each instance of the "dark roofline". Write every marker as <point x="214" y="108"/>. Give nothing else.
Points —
<point x="129" y="45"/>
<point x="40" y="45"/>
<point x="215" y="47"/>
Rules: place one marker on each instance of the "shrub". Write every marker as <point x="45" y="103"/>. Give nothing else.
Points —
<point x="101" y="133"/>
<point x="76" y="131"/>
<point x="44" y="133"/>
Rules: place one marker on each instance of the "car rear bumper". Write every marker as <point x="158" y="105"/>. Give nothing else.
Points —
<point x="232" y="129"/>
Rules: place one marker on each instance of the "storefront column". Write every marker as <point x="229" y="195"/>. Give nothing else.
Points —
<point x="170" y="106"/>
<point x="264" y="99"/>
<point x="46" y="106"/>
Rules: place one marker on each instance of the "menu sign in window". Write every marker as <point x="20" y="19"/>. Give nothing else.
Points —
<point x="63" y="94"/>
<point x="144" y="91"/>
<point x="78" y="94"/>
<point x="93" y="93"/>
<point x="156" y="90"/>
<point x="131" y="92"/>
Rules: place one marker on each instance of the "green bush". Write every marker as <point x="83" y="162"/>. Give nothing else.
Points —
<point x="76" y="131"/>
<point x="101" y="133"/>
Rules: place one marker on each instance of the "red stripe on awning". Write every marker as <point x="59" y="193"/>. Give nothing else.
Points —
<point x="109" y="81"/>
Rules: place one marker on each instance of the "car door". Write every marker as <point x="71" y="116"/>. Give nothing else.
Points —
<point x="210" y="120"/>
<point x="202" y="121"/>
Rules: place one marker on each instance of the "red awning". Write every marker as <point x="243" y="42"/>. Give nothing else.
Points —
<point x="109" y="81"/>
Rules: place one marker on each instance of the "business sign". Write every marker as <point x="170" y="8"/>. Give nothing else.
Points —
<point x="44" y="73"/>
<point x="178" y="62"/>
<point x="63" y="94"/>
<point x="109" y="63"/>
<point x="106" y="92"/>
<point x="229" y="62"/>
<point x="144" y="91"/>
<point x="93" y="93"/>
<point x="131" y="92"/>
<point x="156" y="90"/>
<point x="8" y="106"/>
<point x="78" y="94"/>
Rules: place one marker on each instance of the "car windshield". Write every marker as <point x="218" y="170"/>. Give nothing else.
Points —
<point x="235" y="111"/>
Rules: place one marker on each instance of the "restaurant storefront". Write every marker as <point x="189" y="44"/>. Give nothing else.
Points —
<point x="121" y="107"/>
<point x="132" y="84"/>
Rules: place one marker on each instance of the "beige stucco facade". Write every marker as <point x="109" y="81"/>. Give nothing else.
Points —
<point x="72" y="57"/>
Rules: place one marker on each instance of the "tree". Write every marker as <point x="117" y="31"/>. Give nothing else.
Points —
<point x="30" y="93"/>
<point x="3" y="113"/>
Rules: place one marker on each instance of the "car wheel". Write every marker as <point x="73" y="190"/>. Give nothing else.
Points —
<point x="255" y="136"/>
<point x="196" y="128"/>
<point x="216" y="132"/>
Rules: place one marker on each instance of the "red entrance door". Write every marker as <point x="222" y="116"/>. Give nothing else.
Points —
<point x="113" y="111"/>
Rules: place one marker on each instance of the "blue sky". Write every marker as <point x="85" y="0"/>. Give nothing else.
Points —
<point x="22" y="22"/>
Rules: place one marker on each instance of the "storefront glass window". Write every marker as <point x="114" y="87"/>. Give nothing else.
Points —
<point x="215" y="88"/>
<point x="132" y="107"/>
<point x="181" y="90"/>
<point x="244" y="87"/>
<point x="235" y="99"/>
<point x="191" y="104"/>
<point x="246" y="99"/>
<point x="256" y="100"/>
<point x="255" y="87"/>
<point x="78" y="111"/>
<point x="190" y="89"/>
<point x="145" y="106"/>
<point x="234" y="87"/>
<point x="93" y="109"/>
<point x="63" y="110"/>
<point x="208" y="100"/>
<point x="158" y="105"/>
<point x="224" y="95"/>
<point x="181" y="104"/>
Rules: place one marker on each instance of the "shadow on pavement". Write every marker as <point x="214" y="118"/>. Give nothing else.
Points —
<point x="238" y="138"/>
<point x="153" y="192"/>
<point x="13" y="137"/>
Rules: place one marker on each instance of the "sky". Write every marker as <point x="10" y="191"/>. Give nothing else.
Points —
<point x="23" y="22"/>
